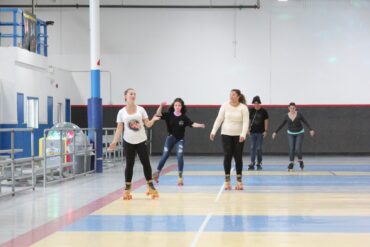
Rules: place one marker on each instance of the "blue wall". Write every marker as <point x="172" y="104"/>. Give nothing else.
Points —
<point x="22" y="139"/>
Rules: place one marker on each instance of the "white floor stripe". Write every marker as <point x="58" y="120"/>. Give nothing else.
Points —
<point x="222" y="188"/>
<point x="220" y="192"/>
<point x="200" y="231"/>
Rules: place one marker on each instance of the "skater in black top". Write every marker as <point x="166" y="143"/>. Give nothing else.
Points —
<point x="295" y="131"/>
<point x="258" y="118"/>
<point x="176" y="122"/>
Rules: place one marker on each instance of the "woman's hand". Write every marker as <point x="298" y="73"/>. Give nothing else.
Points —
<point x="156" y="118"/>
<point x="264" y="134"/>
<point x="212" y="137"/>
<point x="198" y="125"/>
<point x="112" y="147"/>
<point x="312" y="132"/>
<point x="273" y="136"/>
<point x="241" y="139"/>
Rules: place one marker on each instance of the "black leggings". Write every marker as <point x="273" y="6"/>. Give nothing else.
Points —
<point x="232" y="148"/>
<point x="142" y="152"/>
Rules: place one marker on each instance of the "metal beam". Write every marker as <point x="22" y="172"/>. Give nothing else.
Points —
<point x="115" y="6"/>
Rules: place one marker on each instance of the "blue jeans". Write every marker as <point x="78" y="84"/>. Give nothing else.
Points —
<point x="256" y="147"/>
<point x="171" y="141"/>
<point x="295" y="146"/>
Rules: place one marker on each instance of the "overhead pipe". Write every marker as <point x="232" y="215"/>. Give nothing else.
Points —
<point x="116" y="6"/>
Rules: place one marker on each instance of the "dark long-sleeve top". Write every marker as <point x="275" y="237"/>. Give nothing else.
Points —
<point x="294" y="126"/>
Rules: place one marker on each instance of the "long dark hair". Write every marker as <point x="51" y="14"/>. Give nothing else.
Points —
<point x="242" y="98"/>
<point x="183" y="107"/>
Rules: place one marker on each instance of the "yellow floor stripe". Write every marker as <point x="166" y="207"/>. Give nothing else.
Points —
<point x="219" y="239"/>
<point x="116" y="239"/>
<point x="236" y="202"/>
<point x="283" y="240"/>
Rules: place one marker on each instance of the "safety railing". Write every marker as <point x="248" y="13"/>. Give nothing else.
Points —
<point x="68" y="158"/>
<point x="18" y="174"/>
<point x="13" y="28"/>
<point x="110" y="158"/>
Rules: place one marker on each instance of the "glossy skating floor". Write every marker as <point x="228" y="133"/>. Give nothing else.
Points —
<point x="326" y="205"/>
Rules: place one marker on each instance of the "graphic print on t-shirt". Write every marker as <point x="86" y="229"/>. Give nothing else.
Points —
<point x="134" y="125"/>
<point x="181" y="123"/>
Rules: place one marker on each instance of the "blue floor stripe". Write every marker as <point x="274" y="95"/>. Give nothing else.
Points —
<point x="273" y="180"/>
<point x="180" y="223"/>
<point x="177" y="223"/>
<point x="347" y="224"/>
<point x="283" y="167"/>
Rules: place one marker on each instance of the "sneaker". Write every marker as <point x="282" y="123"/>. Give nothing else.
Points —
<point x="290" y="167"/>
<point x="251" y="167"/>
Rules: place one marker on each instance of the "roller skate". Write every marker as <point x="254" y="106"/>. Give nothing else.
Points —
<point x="259" y="166"/>
<point x="180" y="181"/>
<point x="127" y="192"/>
<point x="152" y="192"/>
<point x="290" y="167"/>
<point x="251" y="167"/>
<point x="301" y="165"/>
<point x="155" y="176"/>
<point x="227" y="182"/>
<point x="239" y="182"/>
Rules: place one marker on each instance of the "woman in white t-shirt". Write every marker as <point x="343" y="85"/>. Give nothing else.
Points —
<point x="132" y="119"/>
<point x="234" y="117"/>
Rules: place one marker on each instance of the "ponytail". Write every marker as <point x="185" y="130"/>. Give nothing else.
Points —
<point x="242" y="98"/>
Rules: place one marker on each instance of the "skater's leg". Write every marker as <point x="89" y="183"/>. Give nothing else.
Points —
<point x="180" y="160"/>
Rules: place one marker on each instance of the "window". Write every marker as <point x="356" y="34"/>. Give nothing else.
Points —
<point x="32" y="112"/>
<point x="60" y="115"/>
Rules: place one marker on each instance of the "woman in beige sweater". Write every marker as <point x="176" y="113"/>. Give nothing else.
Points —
<point x="234" y="118"/>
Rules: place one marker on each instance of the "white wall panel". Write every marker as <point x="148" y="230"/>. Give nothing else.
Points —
<point x="308" y="51"/>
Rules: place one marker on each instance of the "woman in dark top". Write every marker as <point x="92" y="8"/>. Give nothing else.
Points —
<point x="295" y="134"/>
<point x="176" y="121"/>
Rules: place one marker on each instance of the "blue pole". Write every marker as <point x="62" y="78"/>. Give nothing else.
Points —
<point x="95" y="111"/>
<point x="95" y="83"/>
<point x="15" y="27"/>
<point x="22" y="17"/>
<point x="38" y="35"/>
<point x="45" y="40"/>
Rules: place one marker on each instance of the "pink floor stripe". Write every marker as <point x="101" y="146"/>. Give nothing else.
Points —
<point x="53" y="226"/>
